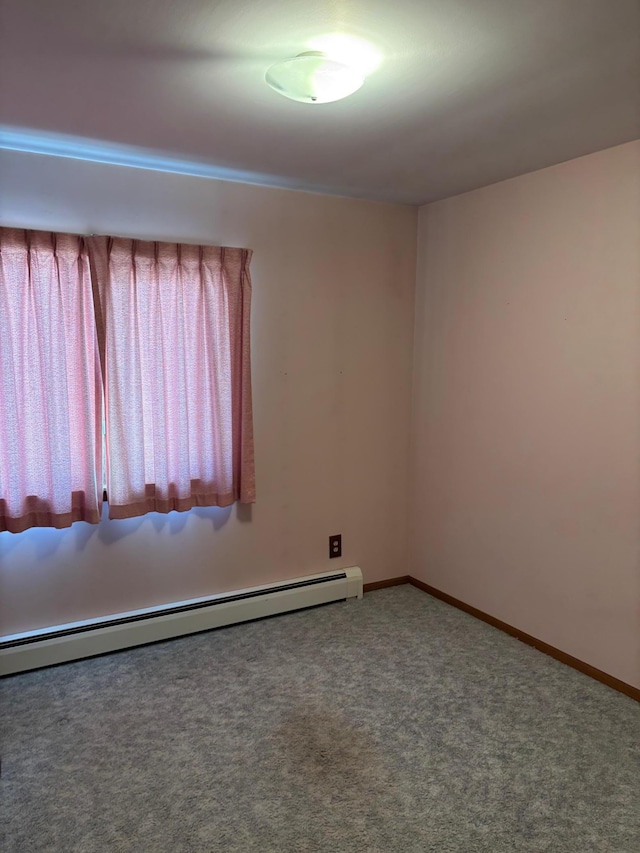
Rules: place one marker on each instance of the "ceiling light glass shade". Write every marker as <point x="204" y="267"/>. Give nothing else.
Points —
<point x="313" y="78"/>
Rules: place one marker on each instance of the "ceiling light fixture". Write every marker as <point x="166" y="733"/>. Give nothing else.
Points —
<point x="314" y="78"/>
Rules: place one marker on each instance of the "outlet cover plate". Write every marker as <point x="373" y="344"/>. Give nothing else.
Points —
<point x="335" y="546"/>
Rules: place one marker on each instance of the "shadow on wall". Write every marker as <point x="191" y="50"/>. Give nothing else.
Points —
<point x="46" y="541"/>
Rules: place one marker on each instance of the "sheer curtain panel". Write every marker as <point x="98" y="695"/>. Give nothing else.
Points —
<point x="50" y="383"/>
<point x="174" y="329"/>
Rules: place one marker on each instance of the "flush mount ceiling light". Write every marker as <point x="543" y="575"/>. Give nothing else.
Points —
<point x="313" y="78"/>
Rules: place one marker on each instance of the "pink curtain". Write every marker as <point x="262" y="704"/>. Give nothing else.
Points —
<point x="50" y="383"/>
<point x="174" y="329"/>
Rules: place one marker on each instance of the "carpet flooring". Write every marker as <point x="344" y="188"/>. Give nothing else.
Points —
<point x="392" y="724"/>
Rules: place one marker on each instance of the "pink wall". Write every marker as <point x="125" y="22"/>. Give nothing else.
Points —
<point x="332" y="337"/>
<point x="525" y="500"/>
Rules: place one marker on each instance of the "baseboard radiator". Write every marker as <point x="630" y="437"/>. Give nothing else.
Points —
<point x="34" y="649"/>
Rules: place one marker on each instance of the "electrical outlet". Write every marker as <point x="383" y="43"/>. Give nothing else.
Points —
<point x="335" y="546"/>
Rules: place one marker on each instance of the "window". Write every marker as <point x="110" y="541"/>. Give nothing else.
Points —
<point x="163" y="330"/>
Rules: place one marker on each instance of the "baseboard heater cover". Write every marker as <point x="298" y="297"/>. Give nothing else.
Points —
<point x="61" y="643"/>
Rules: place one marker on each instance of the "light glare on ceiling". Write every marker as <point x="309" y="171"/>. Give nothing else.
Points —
<point x="350" y="50"/>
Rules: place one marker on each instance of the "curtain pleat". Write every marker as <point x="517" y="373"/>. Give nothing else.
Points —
<point x="51" y="383"/>
<point x="175" y="325"/>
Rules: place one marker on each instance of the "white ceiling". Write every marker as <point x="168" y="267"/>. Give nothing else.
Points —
<point x="470" y="91"/>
